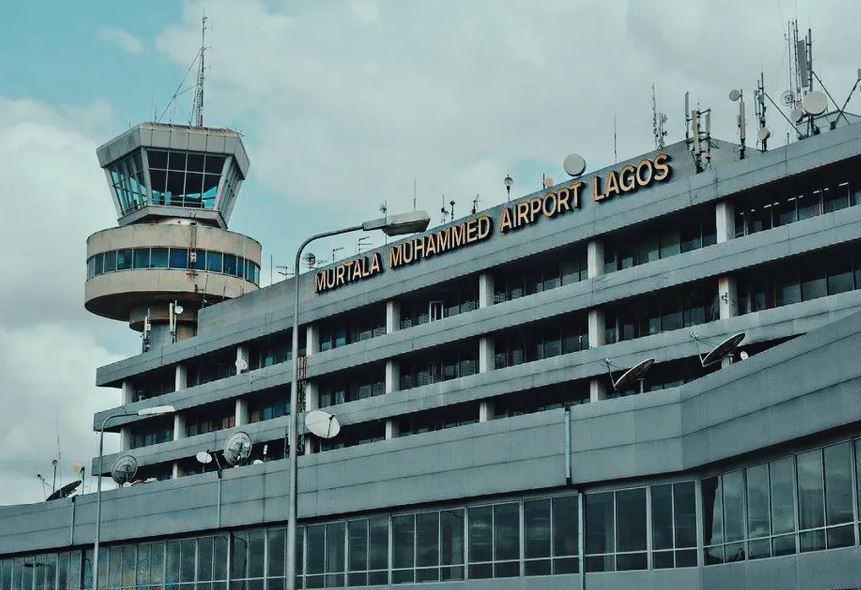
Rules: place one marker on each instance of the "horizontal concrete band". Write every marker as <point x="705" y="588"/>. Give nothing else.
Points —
<point x="269" y="310"/>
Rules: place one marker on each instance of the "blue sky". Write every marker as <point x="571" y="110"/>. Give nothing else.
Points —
<point x="341" y="105"/>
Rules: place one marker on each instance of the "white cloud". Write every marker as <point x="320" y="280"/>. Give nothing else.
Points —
<point x="122" y="39"/>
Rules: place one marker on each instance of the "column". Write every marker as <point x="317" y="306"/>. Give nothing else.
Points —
<point x="486" y="410"/>
<point x="243" y="359"/>
<point x="727" y="297"/>
<point x="312" y="339"/>
<point x="485" y="290"/>
<point x="393" y="376"/>
<point x="312" y="402"/>
<point x="725" y="220"/>
<point x="128" y="392"/>
<point x="485" y="354"/>
<point x="126" y="431"/>
<point x="180" y="378"/>
<point x="241" y="412"/>
<point x="594" y="259"/>
<point x="393" y="316"/>
<point x="485" y="343"/>
<point x="178" y="433"/>
<point x="392" y="429"/>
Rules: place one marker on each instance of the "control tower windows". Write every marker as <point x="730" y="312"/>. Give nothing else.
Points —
<point x="183" y="179"/>
<point x="173" y="258"/>
<point x="127" y="178"/>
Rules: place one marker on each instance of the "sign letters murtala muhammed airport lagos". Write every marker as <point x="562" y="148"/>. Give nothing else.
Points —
<point x="551" y="204"/>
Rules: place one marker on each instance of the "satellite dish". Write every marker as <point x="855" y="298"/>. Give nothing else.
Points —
<point x="763" y="134"/>
<point x="323" y="424"/>
<point x="787" y="98"/>
<point x="548" y="182"/>
<point x="241" y="365"/>
<point x="178" y="309"/>
<point x="814" y="103"/>
<point x="203" y="457"/>
<point x="65" y="491"/>
<point x="743" y="355"/>
<point x="721" y="351"/>
<point x="796" y="115"/>
<point x="310" y="259"/>
<point x="124" y="469"/>
<point x="574" y="164"/>
<point x="734" y="94"/>
<point x="257" y="462"/>
<point x="237" y="449"/>
<point x="632" y="374"/>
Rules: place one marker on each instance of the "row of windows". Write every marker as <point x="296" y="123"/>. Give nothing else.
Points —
<point x="173" y="258"/>
<point x="796" y="504"/>
<point x="184" y="179"/>
<point x="808" y="501"/>
<point x="518" y="282"/>
<point x="648" y="246"/>
<point x="527" y="344"/>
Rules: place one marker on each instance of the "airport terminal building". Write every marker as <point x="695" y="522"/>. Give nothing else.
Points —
<point x="487" y="440"/>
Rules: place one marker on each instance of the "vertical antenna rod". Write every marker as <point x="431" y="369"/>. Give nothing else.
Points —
<point x="197" y="107"/>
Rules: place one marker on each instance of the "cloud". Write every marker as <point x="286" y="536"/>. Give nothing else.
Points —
<point x="122" y="39"/>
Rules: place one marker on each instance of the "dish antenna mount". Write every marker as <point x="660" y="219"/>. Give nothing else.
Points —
<point x="65" y="491"/>
<point x="635" y="373"/>
<point x="237" y="449"/>
<point x="574" y="165"/>
<point x="720" y="351"/>
<point x="124" y="470"/>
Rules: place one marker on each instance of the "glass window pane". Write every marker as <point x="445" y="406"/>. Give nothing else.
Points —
<point x="176" y="160"/>
<point x="451" y="529"/>
<point x="599" y="523"/>
<point x="378" y="553"/>
<point x="124" y="259"/>
<point x="838" y="484"/>
<point x="110" y="261"/>
<point x="357" y="532"/>
<point x="214" y="163"/>
<point x="157" y="158"/>
<point x="141" y="257"/>
<point x="204" y="558"/>
<point x="316" y="542"/>
<point x="480" y="533"/>
<point x="230" y="264"/>
<point x="631" y="520"/>
<point x="403" y="541"/>
<point x="195" y="162"/>
<point x="188" y="557"/>
<point x="178" y="258"/>
<point x="335" y="552"/>
<point x="811" y="509"/>
<point x="213" y="261"/>
<point x="813" y="284"/>
<point x="662" y="517"/>
<point x="758" y="521"/>
<point x="506" y="528"/>
<point x="275" y="554"/>
<point x="536" y="523"/>
<point x="171" y="573"/>
<point x="427" y="539"/>
<point x="733" y="505"/>
<point x="684" y="505"/>
<point x="839" y="277"/>
<point x="256" y="547"/>
<point x="565" y="526"/>
<point x="782" y="500"/>
<point x="712" y="511"/>
<point x="158" y="258"/>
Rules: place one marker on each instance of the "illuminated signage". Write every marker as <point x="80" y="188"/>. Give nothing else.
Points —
<point x="476" y="229"/>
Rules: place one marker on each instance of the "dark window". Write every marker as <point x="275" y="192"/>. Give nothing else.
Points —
<point x="158" y="258"/>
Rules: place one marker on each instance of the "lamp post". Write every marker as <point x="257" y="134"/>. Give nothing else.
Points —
<point x="391" y="225"/>
<point x="153" y="411"/>
<point x="508" y="182"/>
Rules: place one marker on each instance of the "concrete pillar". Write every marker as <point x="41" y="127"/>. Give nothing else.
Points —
<point x="312" y="402"/>
<point x="725" y="220"/>
<point x="243" y="358"/>
<point x="125" y="437"/>
<point x="180" y="380"/>
<point x="241" y="412"/>
<point x="594" y="259"/>
<point x="176" y="471"/>
<point x="597" y="331"/>
<point x="485" y="354"/>
<point x="393" y="376"/>
<point x="393" y="316"/>
<point x="486" y="410"/>
<point x="128" y="392"/>
<point x="392" y="429"/>
<point x="598" y="388"/>
<point x="727" y="297"/>
<point x="312" y="339"/>
<point x="485" y="290"/>
<point x="178" y="426"/>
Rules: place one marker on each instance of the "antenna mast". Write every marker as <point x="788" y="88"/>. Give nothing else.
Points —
<point x="658" y="121"/>
<point x="197" y="107"/>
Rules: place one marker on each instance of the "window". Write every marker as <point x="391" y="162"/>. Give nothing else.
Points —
<point x="368" y="552"/>
<point x="158" y="257"/>
<point x="213" y="261"/>
<point x="550" y="536"/>
<point x="494" y="546"/>
<point x="673" y="526"/>
<point x="178" y="258"/>
<point x="141" y="258"/>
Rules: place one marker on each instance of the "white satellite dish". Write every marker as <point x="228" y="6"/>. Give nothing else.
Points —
<point x="787" y="98"/>
<point x="734" y="94"/>
<point x="241" y="365"/>
<point x="763" y="134"/>
<point x="237" y="449"/>
<point x="124" y="469"/>
<point x="322" y="424"/>
<point x="796" y="115"/>
<point x="814" y="103"/>
<point x="203" y="457"/>
<point x="574" y="164"/>
<point x="178" y="309"/>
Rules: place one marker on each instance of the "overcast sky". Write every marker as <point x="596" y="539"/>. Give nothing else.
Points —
<point x="341" y="106"/>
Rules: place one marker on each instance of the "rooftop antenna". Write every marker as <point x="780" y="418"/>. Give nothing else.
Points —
<point x="335" y="251"/>
<point x="738" y="96"/>
<point x="452" y="209"/>
<point x="362" y="243"/>
<point x="443" y="210"/>
<point x="700" y="135"/>
<point x="658" y="121"/>
<point x="384" y="208"/>
<point x="615" y="142"/>
<point x="475" y="203"/>
<point x="762" y="133"/>
<point x="197" y="107"/>
<point x="414" y="193"/>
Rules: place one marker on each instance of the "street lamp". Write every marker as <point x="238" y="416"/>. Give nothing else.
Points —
<point x="153" y="411"/>
<point x="391" y="225"/>
<point x="508" y="182"/>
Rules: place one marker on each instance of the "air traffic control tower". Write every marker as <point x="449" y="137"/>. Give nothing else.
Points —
<point x="174" y="188"/>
